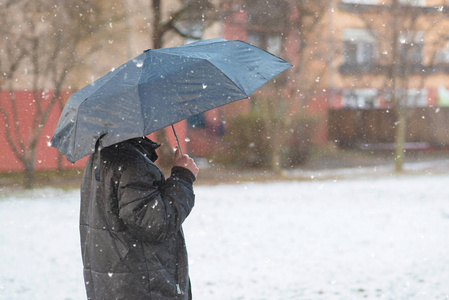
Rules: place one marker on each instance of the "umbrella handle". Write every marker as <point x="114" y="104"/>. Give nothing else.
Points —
<point x="177" y="140"/>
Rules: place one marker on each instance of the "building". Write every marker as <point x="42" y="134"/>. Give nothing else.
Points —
<point x="358" y="55"/>
<point x="391" y="56"/>
<point x="348" y="54"/>
<point x="380" y="42"/>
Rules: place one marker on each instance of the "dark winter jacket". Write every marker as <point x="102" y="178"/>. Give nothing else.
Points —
<point x="131" y="236"/>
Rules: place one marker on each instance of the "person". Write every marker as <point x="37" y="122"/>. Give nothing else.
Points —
<point x="131" y="219"/>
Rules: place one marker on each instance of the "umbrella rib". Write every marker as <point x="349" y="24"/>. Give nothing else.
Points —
<point x="142" y="123"/>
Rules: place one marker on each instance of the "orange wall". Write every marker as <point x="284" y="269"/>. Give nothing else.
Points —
<point x="47" y="156"/>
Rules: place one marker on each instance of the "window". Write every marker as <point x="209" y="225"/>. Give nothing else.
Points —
<point x="412" y="47"/>
<point x="197" y="121"/>
<point x="414" y="97"/>
<point x="266" y="20"/>
<point x="442" y="55"/>
<point x="270" y="42"/>
<point x="358" y="47"/>
<point x="269" y="16"/>
<point x="193" y="29"/>
<point x="360" y="98"/>
<point x="413" y="2"/>
<point x="360" y="1"/>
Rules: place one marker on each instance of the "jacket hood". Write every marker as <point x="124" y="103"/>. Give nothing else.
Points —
<point x="146" y="145"/>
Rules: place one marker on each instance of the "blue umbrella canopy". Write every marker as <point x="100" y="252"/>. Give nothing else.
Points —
<point x="158" y="88"/>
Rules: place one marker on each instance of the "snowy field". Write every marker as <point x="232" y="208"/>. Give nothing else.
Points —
<point x="383" y="238"/>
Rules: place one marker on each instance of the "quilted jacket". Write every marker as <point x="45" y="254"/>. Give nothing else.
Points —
<point x="131" y="219"/>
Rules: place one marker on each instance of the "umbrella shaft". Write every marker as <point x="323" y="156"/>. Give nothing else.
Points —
<point x="177" y="140"/>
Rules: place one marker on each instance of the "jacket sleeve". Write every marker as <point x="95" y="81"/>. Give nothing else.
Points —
<point x="151" y="208"/>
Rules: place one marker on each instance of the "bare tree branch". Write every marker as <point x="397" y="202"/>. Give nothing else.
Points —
<point x="41" y="42"/>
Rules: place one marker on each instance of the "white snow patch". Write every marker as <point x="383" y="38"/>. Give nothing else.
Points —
<point x="382" y="238"/>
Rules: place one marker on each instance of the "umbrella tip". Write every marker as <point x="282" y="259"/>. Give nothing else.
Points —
<point x="146" y="50"/>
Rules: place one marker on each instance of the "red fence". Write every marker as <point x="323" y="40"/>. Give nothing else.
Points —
<point x="353" y="127"/>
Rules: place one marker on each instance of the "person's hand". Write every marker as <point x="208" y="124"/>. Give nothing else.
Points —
<point x="185" y="161"/>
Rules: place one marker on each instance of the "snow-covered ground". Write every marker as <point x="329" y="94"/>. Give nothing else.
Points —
<point x="366" y="238"/>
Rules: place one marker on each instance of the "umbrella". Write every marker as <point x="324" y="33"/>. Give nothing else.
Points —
<point x="158" y="88"/>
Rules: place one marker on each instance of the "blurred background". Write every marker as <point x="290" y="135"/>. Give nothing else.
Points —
<point x="367" y="99"/>
<point x="369" y="83"/>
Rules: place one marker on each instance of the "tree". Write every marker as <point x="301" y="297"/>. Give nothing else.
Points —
<point x="408" y="39"/>
<point x="306" y="77"/>
<point x="290" y="29"/>
<point x="39" y="49"/>
<point x="187" y="20"/>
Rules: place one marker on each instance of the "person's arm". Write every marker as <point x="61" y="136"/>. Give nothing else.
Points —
<point x="151" y="209"/>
